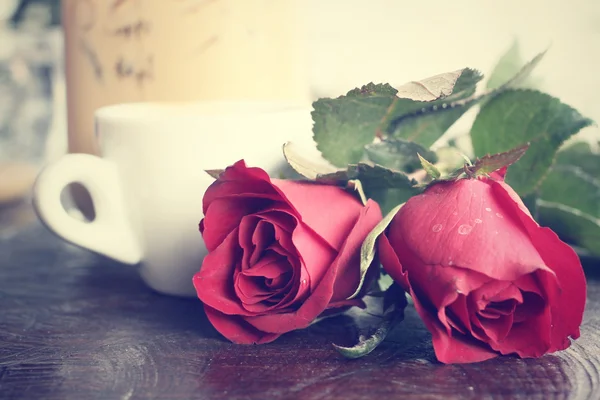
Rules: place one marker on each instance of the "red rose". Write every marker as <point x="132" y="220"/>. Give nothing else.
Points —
<point x="484" y="276"/>
<point x="280" y="253"/>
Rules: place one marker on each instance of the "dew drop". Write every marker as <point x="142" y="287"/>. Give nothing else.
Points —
<point x="478" y="221"/>
<point x="454" y="213"/>
<point x="464" y="229"/>
<point x="499" y="215"/>
<point x="304" y="281"/>
<point x="437" y="227"/>
<point x="450" y="262"/>
<point x="488" y="209"/>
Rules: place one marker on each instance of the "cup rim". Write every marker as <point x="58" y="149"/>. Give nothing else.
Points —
<point x="150" y="110"/>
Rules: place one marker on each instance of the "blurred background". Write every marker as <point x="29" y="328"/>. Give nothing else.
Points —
<point x="59" y="61"/>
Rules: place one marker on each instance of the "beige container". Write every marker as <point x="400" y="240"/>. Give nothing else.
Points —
<point x="177" y="50"/>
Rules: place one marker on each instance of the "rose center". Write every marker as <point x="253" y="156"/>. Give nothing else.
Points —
<point x="497" y="309"/>
<point x="269" y="274"/>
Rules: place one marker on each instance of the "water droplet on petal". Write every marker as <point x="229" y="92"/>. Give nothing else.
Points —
<point x="499" y="215"/>
<point x="437" y="227"/>
<point x="304" y="281"/>
<point x="488" y="209"/>
<point x="464" y="229"/>
<point x="450" y="262"/>
<point x="478" y="221"/>
<point x="454" y="213"/>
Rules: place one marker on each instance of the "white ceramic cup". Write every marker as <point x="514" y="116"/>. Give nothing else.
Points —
<point x="148" y="185"/>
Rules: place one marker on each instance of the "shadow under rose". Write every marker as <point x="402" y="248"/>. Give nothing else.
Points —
<point x="125" y="297"/>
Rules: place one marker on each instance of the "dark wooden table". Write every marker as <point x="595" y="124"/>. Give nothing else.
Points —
<point x="77" y="326"/>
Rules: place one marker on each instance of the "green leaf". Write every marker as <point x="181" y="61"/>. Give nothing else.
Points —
<point x="425" y="122"/>
<point x="520" y="79"/>
<point x="511" y="66"/>
<point x="384" y="281"/>
<point x="581" y="155"/>
<point x="394" y="302"/>
<point x="518" y="116"/>
<point x="490" y="163"/>
<point x="386" y="186"/>
<point x="215" y="173"/>
<point x="343" y="126"/>
<point x="366" y="344"/>
<point x="398" y="154"/>
<point x="431" y="170"/>
<point x="572" y="186"/>
<point x="433" y="88"/>
<point x="508" y="65"/>
<point x="308" y="167"/>
<point x="569" y="197"/>
<point x="571" y="224"/>
<point x="367" y="250"/>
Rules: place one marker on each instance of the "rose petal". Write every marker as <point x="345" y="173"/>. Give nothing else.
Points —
<point x="462" y="223"/>
<point x="281" y="218"/>
<point x="568" y="305"/>
<point x="348" y="275"/>
<point x="390" y="262"/>
<point x="279" y="282"/>
<point x="237" y="192"/>
<point x="458" y="314"/>
<point x="236" y="329"/>
<point x="499" y="174"/>
<point x="451" y="349"/>
<point x="214" y="281"/>
<point x="267" y="304"/>
<point x="496" y="310"/>
<point x="263" y="236"/>
<point x="323" y="292"/>
<point x="328" y="210"/>
<point x="239" y="180"/>
<point x="253" y="289"/>
<point x="261" y="230"/>
<point x="315" y="254"/>
<point x="532" y="305"/>
<point x="533" y="296"/>
<point x="448" y="349"/>
<point x="530" y="338"/>
<point x="496" y="329"/>
<point x="247" y="225"/>
<point x="435" y="285"/>
<point x="490" y="297"/>
<point x="271" y="265"/>
<point x="222" y="217"/>
<point x="251" y="284"/>
<point x="250" y="289"/>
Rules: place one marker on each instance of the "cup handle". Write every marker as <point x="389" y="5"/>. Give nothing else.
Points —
<point x="110" y="233"/>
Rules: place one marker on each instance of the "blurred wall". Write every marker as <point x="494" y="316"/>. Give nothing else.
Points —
<point x="353" y="42"/>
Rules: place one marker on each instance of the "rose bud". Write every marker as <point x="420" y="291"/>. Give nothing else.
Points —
<point x="280" y="253"/>
<point x="484" y="276"/>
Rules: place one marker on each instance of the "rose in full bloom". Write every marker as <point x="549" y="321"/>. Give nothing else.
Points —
<point x="484" y="276"/>
<point x="281" y="253"/>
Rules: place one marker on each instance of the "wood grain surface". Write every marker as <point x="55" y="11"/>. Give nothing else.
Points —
<point x="77" y="326"/>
